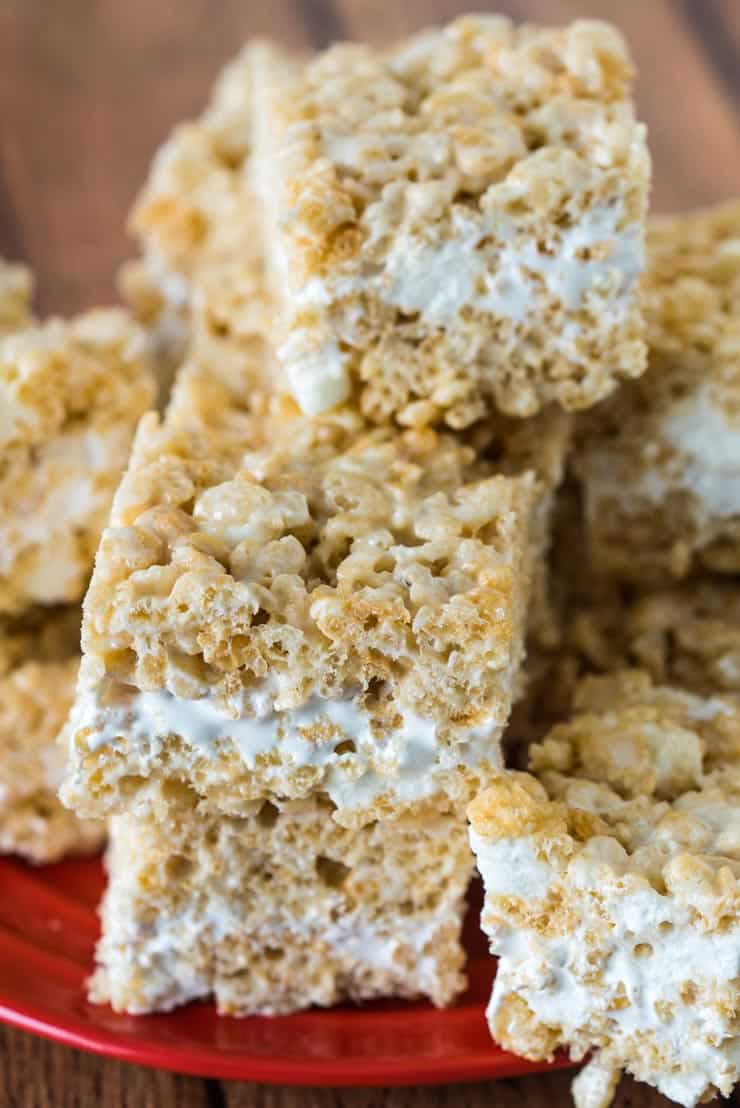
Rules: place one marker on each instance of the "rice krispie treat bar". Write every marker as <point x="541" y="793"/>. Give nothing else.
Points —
<point x="661" y="472"/>
<point x="337" y="609"/>
<point x="71" y="394"/>
<point x="279" y="909"/>
<point x="455" y="224"/>
<point x="613" y="891"/>
<point x="38" y="667"/>
<point x="198" y="226"/>
<point x="16" y="287"/>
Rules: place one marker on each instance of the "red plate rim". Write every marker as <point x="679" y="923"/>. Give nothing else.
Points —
<point x="337" y="1073"/>
<point x="48" y="927"/>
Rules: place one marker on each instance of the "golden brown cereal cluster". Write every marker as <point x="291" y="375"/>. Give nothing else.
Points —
<point x="198" y="230"/>
<point x="38" y="667"/>
<point x="70" y="395"/>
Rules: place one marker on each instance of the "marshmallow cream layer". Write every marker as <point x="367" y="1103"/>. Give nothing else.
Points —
<point x="405" y="762"/>
<point x="442" y="279"/>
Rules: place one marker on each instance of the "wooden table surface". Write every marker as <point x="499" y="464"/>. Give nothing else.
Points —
<point x="88" y="89"/>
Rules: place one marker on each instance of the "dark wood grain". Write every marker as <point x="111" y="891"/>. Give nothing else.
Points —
<point x="38" y="1074"/>
<point x="88" y="89"/>
<point x="684" y="96"/>
<point x="552" y="1090"/>
<point x="715" y="33"/>
<point x="323" y="22"/>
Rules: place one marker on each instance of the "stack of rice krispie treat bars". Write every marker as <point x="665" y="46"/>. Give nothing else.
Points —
<point x="302" y="640"/>
<point x="393" y="275"/>
<point x="613" y="869"/>
<point x="71" y="393"/>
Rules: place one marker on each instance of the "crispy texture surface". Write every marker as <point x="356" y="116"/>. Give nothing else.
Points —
<point x="456" y="224"/>
<point x="279" y="910"/>
<point x="71" y="394"/>
<point x="660" y="468"/>
<point x="687" y="635"/>
<point x="613" y="889"/>
<point x="35" y="698"/>
<point x="357" y="533"/>
<point x="190" y="213"/>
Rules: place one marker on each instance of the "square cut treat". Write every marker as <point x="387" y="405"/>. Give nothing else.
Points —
<point x="226" y="390"/>
<point x="71" y="394"/>
<point x="38" y="667"/>
<point x="661" y="468"/>
<point x="320" y="608"/>
<point x="612" y="878"/>
<point x="456" y="224"/>
<point x="279" y="909"/>
<point x="16" y="287"/>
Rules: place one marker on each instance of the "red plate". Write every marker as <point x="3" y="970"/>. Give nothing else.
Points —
<point x="48" y="928"/>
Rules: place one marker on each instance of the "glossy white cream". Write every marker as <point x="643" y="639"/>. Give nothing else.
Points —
<point x="405" y="762"/>
<point x="441" y="278"/>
